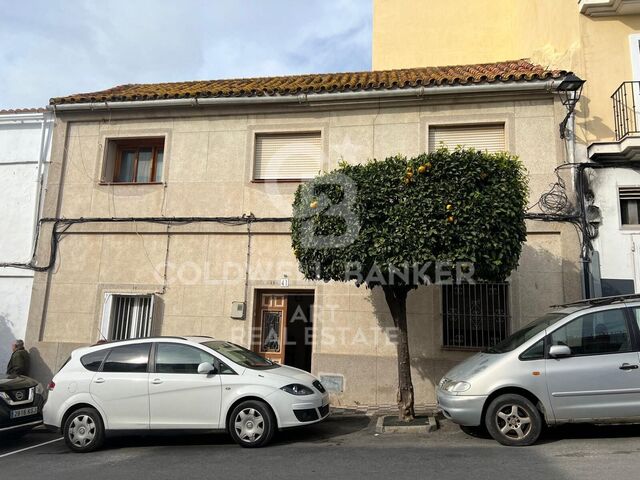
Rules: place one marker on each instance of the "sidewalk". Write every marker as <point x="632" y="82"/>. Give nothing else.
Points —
<point x="379" y="410"/>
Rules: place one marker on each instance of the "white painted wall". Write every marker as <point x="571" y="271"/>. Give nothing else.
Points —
<point x="24" y="144"/>
<point x="619" y="247"/>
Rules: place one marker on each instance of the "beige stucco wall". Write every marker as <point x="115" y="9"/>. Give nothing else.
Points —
<point x="208" y="161"/>
<point x="552" y="33"/>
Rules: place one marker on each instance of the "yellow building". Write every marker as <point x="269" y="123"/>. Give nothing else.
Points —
<point x="592" y="38"/>
<point x="599" y="40"/>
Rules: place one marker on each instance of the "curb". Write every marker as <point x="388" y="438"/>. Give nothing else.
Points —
<point x="430" y="426"/>
<point x="381" y="410"/>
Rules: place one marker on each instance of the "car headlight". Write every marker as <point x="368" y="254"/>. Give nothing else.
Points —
<point x="297" y="389"/>
<point x="456" y="387"/>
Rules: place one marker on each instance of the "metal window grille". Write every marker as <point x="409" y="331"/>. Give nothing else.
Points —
<point x="475" y="316"/>
<point x="131" y="317"/>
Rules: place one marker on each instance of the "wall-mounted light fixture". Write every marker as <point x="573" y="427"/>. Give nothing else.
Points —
<point x="570" y="90"/>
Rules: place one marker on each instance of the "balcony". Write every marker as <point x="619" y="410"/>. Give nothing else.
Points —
<point x="605" y="8"/>
<point x="626" y="120"/>
<point x="626" y="100"/>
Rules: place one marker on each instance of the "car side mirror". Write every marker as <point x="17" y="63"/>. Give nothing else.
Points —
<point x="559" y="351"/>
<point x="205" y="368"/>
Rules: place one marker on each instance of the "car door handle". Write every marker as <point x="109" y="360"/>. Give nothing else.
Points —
<point x="99" y="380"/>
<point x="156" y="381"/>
<point x="628" y="366"/>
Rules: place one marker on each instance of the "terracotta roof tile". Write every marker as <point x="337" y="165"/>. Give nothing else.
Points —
<point x="13" y="111"/>
<point x="517" y="70"/>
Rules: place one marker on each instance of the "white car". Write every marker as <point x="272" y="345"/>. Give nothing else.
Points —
<point x="179" y="383"/>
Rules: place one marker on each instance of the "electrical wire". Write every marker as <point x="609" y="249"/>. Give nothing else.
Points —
<point x="62" y="225"/>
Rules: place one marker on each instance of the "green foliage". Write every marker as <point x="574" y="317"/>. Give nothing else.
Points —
<point x="461" y="205"/>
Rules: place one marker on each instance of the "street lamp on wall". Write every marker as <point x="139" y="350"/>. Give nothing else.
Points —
<point x="570" y="90"/>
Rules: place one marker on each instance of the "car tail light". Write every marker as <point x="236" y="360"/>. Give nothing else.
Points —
<point x="51" y="385"/>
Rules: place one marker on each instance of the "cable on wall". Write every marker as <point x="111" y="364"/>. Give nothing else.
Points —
<point x="61" y="225"/>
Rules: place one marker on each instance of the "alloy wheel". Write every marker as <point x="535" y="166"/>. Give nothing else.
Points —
<point x="513" y="422"/>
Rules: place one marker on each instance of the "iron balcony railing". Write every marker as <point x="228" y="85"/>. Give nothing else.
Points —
<point x="626" y="105"/>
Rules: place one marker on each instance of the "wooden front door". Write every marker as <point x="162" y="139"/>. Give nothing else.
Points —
<point x="271" y="323"/>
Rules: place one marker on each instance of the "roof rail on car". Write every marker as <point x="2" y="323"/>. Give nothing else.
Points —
<point x="600" y="300"/>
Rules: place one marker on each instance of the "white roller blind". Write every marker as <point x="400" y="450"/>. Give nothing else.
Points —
<point x="481" y="137"/>
<point x="285" y="156"/>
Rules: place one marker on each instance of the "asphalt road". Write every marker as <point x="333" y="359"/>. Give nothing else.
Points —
<point x="340" y="448"/>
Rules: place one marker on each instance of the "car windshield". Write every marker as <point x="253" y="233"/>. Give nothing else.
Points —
<point x="240" y="355"/>
<point x="518" y="338"/>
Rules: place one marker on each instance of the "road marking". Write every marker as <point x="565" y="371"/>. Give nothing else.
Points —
<point x="32" y="446"/>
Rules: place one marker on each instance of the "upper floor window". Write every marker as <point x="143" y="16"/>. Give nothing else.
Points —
<point x="134" y="160"/>
<point x="287" y="156"/>
<point x="629" y="205"/>
<point x="484" y="137"/>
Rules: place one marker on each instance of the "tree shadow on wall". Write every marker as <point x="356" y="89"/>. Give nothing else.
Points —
<point x="542" y="279"/>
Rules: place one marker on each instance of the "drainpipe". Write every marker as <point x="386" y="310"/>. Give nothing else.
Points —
<point x="578" y="187"/>
<point x="44" y="133"/>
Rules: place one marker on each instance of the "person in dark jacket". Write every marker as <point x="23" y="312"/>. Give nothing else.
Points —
<point x="19" y="362"/>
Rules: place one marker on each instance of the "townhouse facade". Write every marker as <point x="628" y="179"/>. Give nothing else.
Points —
<point x="169" y="206"/>
<point x="599" y="40"/>
<point x="24" y="157"/>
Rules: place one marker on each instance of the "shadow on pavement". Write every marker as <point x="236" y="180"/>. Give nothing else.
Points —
<point x="16" y="441"/>
<point x="581" y="431"/>
<point x="326" y="431"/>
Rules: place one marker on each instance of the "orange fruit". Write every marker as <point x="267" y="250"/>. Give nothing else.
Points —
<point x="314" y="204"/>
<point x="449" y="206"/>
<point x="422" y="169"/>
<point x="450" y="219"/>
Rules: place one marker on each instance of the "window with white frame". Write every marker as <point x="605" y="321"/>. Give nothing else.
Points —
<point x="484" y="137"/>
<point x="287" y="156"/>
<point x="629" y="205"/>
<point x="128" y="316"/>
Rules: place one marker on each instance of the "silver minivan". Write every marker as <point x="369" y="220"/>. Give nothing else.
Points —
<point x="577" y="363"/>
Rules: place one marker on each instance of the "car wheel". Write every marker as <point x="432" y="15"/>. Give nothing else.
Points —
<point x="513" y="420"/>
<point x="479" y="431"/>
<point x="83" y="430"/>
<point x="252" y="424"/>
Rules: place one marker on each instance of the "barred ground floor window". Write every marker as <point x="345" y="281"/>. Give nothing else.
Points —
<point x="475" y="316"/>
<point x="128" y="316"/>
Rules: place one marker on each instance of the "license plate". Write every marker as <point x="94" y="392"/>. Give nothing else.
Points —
<point x="24" y="412"/>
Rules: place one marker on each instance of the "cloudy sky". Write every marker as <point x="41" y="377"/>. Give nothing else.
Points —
<point x="49" y="49"/>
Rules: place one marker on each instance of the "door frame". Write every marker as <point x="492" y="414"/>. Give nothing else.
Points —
<point x="256" y="323"/>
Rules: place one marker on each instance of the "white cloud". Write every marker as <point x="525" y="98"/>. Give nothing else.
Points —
<point x="50" y="49"/>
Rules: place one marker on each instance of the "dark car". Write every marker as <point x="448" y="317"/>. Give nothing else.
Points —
<point x="21" y="401"/>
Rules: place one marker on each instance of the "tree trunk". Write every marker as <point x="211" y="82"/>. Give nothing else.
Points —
<point x="396" y="296"/>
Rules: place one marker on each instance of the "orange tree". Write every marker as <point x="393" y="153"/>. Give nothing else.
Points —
<point x="393" y="223"/>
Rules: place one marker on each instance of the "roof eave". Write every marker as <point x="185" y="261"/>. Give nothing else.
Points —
<point x="548" y="85"/>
